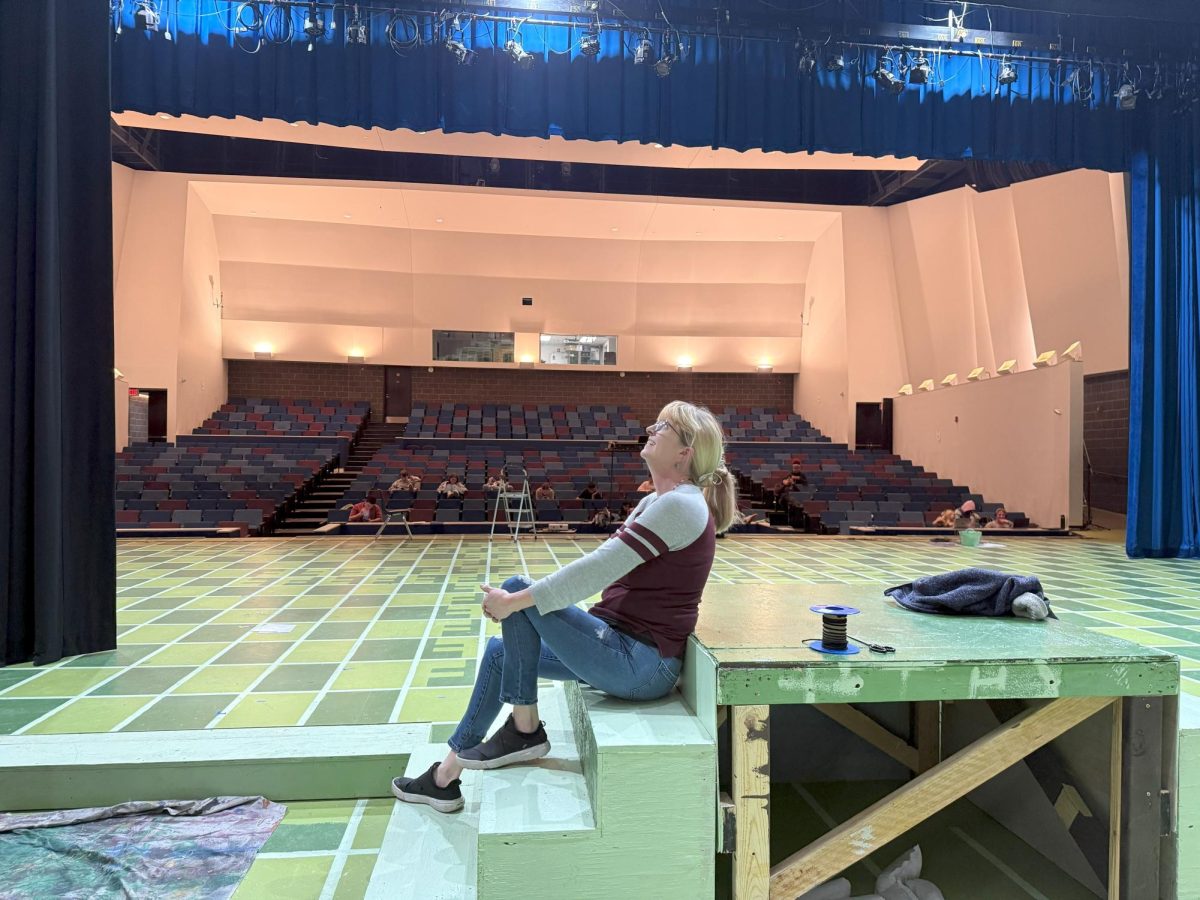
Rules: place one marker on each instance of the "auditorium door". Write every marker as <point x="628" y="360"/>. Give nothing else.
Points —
<point x="397" y="393"/>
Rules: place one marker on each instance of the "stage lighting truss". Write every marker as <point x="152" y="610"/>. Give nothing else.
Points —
<point x="907" y="53"/>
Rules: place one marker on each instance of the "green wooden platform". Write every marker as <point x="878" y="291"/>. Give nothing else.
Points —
<point x="748" y="654"/>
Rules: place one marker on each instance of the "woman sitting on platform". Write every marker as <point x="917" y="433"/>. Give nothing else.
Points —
<point x="631" y="643"/>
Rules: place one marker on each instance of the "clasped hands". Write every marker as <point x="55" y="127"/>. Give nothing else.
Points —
<point x="496" y="603"/>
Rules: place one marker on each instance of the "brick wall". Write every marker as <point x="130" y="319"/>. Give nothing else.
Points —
<point x="645" y="392"/>
<point x="307" y="381"/>
<point x="1106" y="434"/>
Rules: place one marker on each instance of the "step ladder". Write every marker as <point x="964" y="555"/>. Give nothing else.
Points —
<point x="517" y="506"/>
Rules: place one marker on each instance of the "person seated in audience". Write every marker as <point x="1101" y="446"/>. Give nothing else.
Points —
<point x="626" y="511"/>
<point x="794" y="480"/>
<point x="366" y="510"/>
<point x="452" y="488"/>
<point x="544" y="492"/>
<point x="966" y="517"/>
<point x="405" y="482"/>
<point x="646" y="487"/>
<point x="1001" y="521"/>
<point x="591" y="492"/>
<point x="946" y="518"/>
<point x="603" y="517"/>
<point x="496" y="483"/>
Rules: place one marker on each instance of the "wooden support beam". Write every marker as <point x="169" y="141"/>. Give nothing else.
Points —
<point x="928" y="730"/>
<point x="929" y="793"/>
<point x="872" y="732"/>
<point x="1115" y="790"/>
<point x="751" y="802"/>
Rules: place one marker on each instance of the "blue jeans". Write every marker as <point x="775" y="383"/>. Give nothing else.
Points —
<point x="567" y="645"/>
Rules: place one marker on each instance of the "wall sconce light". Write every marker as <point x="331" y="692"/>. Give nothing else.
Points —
<point x="1008" y="367"/>
<point x="979" y="374"/>
<point x="683" y="364"/>
<point x="355" y="357"/>
<point x="765" y="367"/>
<point x="118" y="375"/>
<point x="950" y="380"/>
<point x="905" y="390"/>
<point x="926" y="385"/>
<point x="1075" y="352"/>
<point x="264" y="351"/>
<point x="1047" y="359"/>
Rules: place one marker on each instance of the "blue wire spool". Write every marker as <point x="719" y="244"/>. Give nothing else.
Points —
<point x="833" y="630"/>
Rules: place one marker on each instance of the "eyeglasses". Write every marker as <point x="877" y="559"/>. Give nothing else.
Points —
<point x="658" y="427"/>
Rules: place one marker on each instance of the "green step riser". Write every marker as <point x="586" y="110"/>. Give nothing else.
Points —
<point x="282" y="780"/>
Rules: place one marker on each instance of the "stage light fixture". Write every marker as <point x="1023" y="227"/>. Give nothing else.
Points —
<point x="979" y="374"/>
<point x="1126" y="97"/>
<point x="905" y="390"/>
<point x="1008" y="75"/>
<point x="1075" y="352"/>
<point x="950" y="380"/>
<point x="643" y="53"/>
<point x="1008" y="367"/>
<point x="667" y="56"/>
<point x="885" y="78"/>
<point x="807" y="63"/>
<point x="589" y="42"/>
<point x="926" y="385"/>
<point x="517" y="53"/>
<point x="463" y="55"/>
<point x="835" y="61"/>
<point x="146" y="15"/>
<point x="314" y="26"/>
<point x="1045" y="360"/>
<point x="920" y="71"/>
<point x="357" y="31"/>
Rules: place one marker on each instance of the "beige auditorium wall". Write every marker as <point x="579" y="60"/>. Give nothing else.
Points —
<point x="822" y="386"/>
<point x="166" y="330"/>
<point x="1075" y="252"/>
<point x="1017" y="440"/>
<point x="673" y="281"/>
<point x="201" y="382"/>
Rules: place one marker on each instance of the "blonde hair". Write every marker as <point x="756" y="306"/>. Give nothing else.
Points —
<point x="699" y="429"/>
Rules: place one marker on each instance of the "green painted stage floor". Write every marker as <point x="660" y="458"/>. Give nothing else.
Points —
<point x="222" y="633"/>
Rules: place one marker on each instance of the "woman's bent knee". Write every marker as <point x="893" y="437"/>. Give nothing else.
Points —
<point x="516" y="583"/>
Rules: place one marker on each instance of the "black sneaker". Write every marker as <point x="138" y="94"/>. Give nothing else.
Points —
<point x="423" y="789"/>
<point x="505" y="747"/>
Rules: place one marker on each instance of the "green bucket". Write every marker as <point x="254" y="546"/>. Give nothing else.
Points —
<point x="970" y="537"/>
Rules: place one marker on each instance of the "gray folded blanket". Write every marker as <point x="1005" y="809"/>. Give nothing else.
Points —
<point x="974" y="592"/>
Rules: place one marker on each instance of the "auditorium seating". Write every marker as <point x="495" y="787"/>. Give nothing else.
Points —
<point x="568" y="469"/>
<point x="288" y="417"/>
<point x="221" y="483"/>
<point x="854" y="488"/>
<point x="760" y="424"/>
<point x="566" y="421"/>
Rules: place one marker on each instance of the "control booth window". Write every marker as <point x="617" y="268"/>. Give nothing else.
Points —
<point x="579" y="349"/>
<point x="473" y="346"/>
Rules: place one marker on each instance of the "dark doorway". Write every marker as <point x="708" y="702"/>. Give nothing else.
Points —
<point x="868" y="426"/>
<point x="156" y="418"/>
<point x="397" y="402"/>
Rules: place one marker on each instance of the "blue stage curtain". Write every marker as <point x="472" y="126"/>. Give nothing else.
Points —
<point x="724" y="92"/>
<point x="1164" y="418"/>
